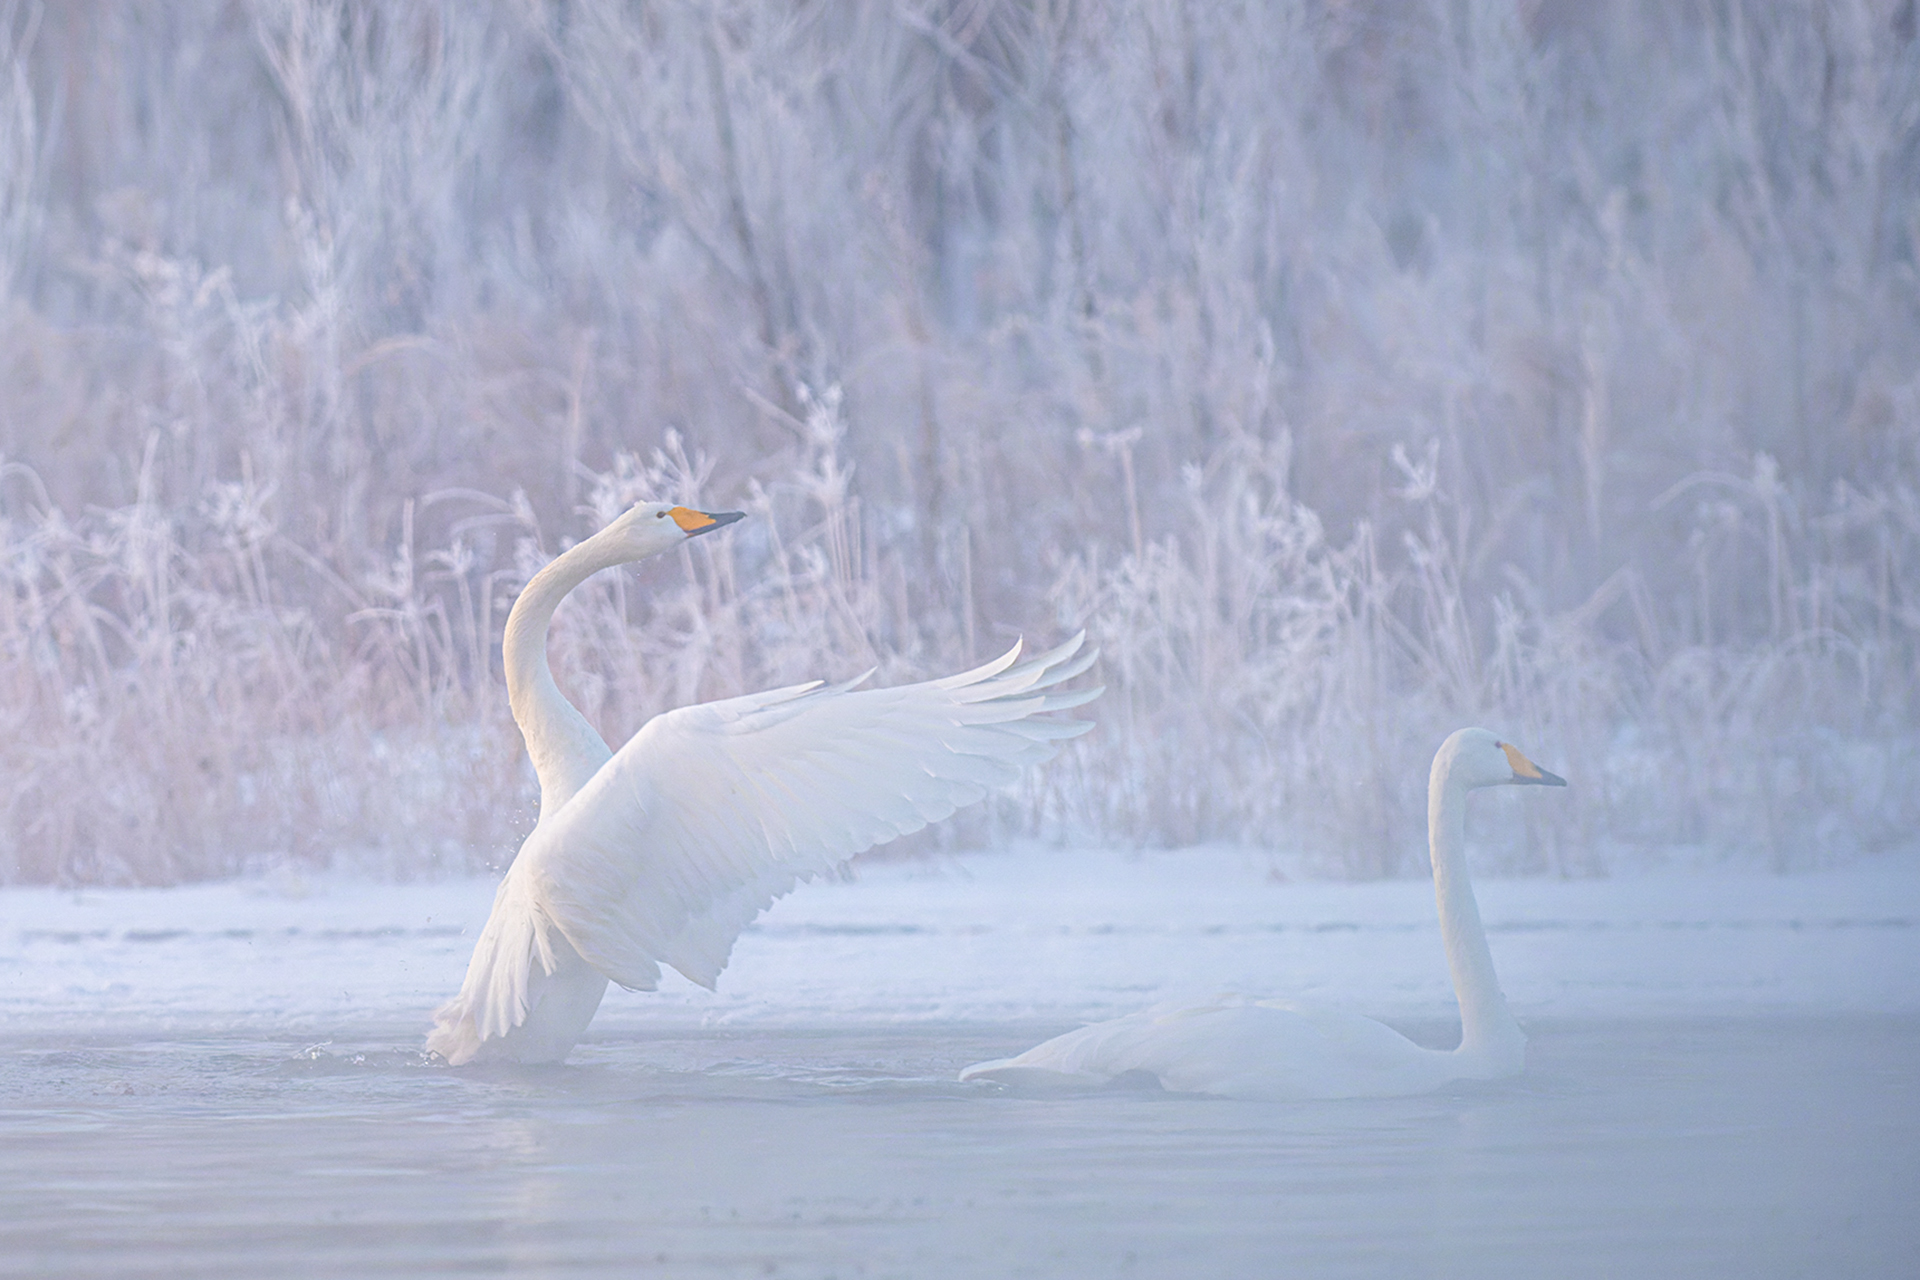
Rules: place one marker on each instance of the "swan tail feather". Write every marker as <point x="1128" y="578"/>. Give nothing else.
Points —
<point x="494" y="997"/>
<point x="517" y="964"/>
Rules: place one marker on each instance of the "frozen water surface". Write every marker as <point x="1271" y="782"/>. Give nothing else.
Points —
<point x="225" y="1081"/>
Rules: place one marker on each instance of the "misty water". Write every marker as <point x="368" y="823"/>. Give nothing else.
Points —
<point x="226" y="1080"/>
<point x="1730" y="1146"/>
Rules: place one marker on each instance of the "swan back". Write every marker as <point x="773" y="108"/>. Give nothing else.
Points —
<point x="1234" y="1047"/>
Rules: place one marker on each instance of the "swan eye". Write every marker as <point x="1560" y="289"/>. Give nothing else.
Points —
<point x="659" y="515"/>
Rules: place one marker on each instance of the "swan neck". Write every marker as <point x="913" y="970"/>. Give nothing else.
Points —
<point x="566" y="750"/>
<point x="1487" y="1028"/>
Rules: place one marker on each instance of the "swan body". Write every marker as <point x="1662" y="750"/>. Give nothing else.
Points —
<point x="662" y="852"/>
<point x="1288" y="1050"/>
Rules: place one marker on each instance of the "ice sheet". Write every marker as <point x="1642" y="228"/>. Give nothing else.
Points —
<point x="1036" y="933"/>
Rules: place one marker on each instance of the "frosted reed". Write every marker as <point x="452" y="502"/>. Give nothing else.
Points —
<point x="1350" y="371"/>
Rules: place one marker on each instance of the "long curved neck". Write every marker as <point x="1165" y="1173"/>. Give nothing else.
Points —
<point x="1487" y="1028"/>
<point x="566" y="750"/>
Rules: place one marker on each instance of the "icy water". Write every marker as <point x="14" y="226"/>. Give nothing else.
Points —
<point x="224" y="1080"/>
<point x="1655" y="1147"/>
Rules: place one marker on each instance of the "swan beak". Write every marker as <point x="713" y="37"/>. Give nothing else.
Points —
<point x="1527" y="773"/>
<point x="694" y="523"/>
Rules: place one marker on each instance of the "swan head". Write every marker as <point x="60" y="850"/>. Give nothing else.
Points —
<point x="649" y="528"/>
<point x="1479" y="758"/>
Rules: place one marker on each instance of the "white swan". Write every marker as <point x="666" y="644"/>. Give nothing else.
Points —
<point x="1280" y="1049"/>
<point x="662" y="852"/>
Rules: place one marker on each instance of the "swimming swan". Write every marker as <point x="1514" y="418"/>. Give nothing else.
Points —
<point x="662" y="852"/>
<point x="1280" y="1049"/>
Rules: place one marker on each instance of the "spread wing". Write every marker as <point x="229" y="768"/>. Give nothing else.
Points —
<point x="710" y="812"/>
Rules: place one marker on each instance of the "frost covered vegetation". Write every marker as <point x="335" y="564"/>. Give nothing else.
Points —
<point x="1350" y="370"/>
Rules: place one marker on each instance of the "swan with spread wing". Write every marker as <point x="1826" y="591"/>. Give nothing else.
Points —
<point x="662" y="852"/>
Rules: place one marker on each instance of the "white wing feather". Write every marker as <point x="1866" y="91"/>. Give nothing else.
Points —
<point x="710" y="812"/>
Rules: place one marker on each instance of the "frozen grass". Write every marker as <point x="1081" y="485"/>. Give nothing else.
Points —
<point x="1351" y="372"/>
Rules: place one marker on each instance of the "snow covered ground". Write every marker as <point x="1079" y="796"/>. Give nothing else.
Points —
<point x="224" y="1080"/>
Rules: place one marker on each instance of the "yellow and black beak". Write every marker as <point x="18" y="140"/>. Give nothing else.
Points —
<point x="694" y="523"/>
<point x="1527" y="773"/>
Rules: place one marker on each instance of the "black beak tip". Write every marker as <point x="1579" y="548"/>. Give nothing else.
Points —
<point x="721" y="519"/>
